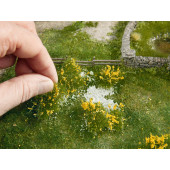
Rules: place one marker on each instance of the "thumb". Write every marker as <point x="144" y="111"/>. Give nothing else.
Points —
<point x="20" y="89"/>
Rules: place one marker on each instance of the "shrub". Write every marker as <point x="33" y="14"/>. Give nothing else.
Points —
<point x="156" y="142"/>
<point x="99" y="119"/>
<point x="136" y="36"/>
<point x="109" y="76"/>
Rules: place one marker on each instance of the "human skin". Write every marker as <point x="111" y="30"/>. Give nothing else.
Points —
<point x="35" y="71"/>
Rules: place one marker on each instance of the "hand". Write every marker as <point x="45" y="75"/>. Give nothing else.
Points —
<point x="35" y="71"/>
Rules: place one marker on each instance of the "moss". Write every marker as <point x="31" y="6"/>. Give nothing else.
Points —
<point x="91" y="24"/>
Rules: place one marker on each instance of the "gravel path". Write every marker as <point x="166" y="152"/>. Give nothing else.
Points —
<point x="101" y="31"/>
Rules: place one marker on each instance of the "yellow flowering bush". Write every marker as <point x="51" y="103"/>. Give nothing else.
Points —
<point x="98" y="118"/>
<point x="156" y="142"/>
<point x="109" y="75"/>
<point x="95" y="116"/>
<point x="46" y="104"/>
<point x="69" y="82"/>
<point x="69" y="78"/>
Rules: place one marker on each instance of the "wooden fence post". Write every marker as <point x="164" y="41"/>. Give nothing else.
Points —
<point x="93" y="62"/>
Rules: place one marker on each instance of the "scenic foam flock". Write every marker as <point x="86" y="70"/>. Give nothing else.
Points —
<point x="112" y="93"/>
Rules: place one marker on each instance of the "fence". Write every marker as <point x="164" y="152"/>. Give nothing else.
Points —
<point x="89" y="63"/>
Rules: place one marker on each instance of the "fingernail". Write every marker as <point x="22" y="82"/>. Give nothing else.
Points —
<point x="45" y="86"/>
<point x="56" y="78"/>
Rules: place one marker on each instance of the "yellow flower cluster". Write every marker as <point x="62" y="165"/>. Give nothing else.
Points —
<point x="88" y="105"/>
<point x="110" y="75"/>
<point x="111" y="120"/>
<point x="156" y="141"/>
<point x="121" y="106"/>
<point x="95" y="110"/>
<point x="51" y="101"/>
<point x="62" y="71"/>
<point x="43" y="104"/>
<point x="76" y="66"/>
<point x="70" y="77"/>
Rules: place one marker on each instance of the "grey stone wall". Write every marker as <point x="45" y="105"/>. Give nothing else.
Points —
<point x="129" y="55"/>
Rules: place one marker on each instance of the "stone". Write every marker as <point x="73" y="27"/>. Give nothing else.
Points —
<point x="151" y="63"/>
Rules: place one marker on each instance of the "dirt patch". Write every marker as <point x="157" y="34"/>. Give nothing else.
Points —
<point x="101" y="31"/>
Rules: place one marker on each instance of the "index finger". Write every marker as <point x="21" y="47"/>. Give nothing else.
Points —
<point x="27" y="45"/>
<point x="29" y="25"/>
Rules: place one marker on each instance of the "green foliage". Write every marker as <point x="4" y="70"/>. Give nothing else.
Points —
<point x="8" y="74"/>
<point x="115" y="45"/>
<point x="91" y="24"/>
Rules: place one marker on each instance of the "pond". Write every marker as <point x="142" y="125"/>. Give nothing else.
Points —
<point x="163" y="45"/>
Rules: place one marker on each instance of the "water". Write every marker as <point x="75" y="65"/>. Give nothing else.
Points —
<point x="163" y="45"/>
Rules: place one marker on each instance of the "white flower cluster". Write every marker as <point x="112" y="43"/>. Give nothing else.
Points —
<point x="99" y="94"/>
<point x="84" y="75"/>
